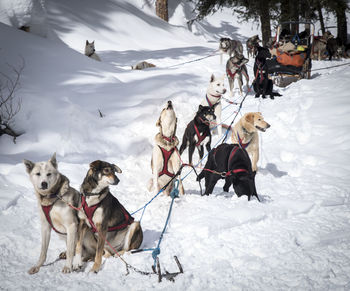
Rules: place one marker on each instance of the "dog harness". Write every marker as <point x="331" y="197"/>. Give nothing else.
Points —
<point x="90" y="210"/>
<point x="166" y="156"/>
<point x="234" y="171"/>
<point x="243" y="145"/>
<point x="47" y="210"/>
<point x="209" y="103"/>
<point x="200" y="137"/>
<point x="259" y="71"/>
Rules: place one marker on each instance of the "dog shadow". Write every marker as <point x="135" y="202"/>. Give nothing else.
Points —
<point x="272" y="169"/>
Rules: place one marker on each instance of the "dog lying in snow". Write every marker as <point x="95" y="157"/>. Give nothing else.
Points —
<point x="245" y="133"/>
<point x="198" y="133"/>
<point x="90" y="51"/>
<point x="166" y="161"/>
<point x="213" y="96"/>
<point x="105" y="215"/>
<point x="230" y="162"/>
<point x="50" y="185"/>
<point x="142" y="65"/>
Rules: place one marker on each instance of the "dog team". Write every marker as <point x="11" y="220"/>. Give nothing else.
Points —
<point x="94" y="223"/>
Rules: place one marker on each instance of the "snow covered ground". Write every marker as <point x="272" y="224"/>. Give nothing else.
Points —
<point x="297" y="239"/>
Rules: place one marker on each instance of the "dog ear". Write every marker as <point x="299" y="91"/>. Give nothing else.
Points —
<point x="53" y="160"/>
<point x="250" y="118"/>
<point x="96" y="165"/>
<point x="87" y="42"/>
<point x="29" y="165"/>
<point x="117" y="169"/>
<point x="158" y="123"/>
<point x="200" y="107"/>
<point x="212" y="78"/>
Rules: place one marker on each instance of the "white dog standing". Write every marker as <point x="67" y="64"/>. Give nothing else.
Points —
<point x="213" y="96"/>
<point x="166" y="159"/>
<point x="90" y="51"/>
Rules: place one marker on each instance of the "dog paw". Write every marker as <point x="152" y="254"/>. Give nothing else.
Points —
<point x="33" y="270"/>
<point x="77" y="264"/>
<point x="95" y="268"/>
<point x="62" y="256"/>
<point x="66" y="270"/>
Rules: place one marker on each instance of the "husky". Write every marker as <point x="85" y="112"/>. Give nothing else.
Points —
<point x="213" y="96"/>
<point x="252" y="44"/>
<point x="90" y="51"/>
<point x="234" y="161"/>
<point x="235" y="69"/>
<point x="142" y="65"/>
<point x="198" y="133"/>
<point x="105" y="215"/>
<point x="50" y="187"/>
<point x="166" y="160"/>
<point x="230" y="47"/>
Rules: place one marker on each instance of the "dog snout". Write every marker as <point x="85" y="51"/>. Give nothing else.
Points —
<point x="170" y="105"/>
<point x="267" y="125"/>
<point x="116" y="181"/>
<point x="44" y="185"/>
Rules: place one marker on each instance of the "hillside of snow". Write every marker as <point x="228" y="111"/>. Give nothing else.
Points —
<point x="299" y="236"/>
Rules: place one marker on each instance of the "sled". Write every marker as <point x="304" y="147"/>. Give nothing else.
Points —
<point x="167" y="275"/>
<point x="287" y="66"/>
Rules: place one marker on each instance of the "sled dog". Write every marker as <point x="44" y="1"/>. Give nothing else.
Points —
<point x="245" y="133"/>
<point x="230" y="162"/>
<point x="50" y="185"/>
<point x="142" y="65"/>
<point x="90" y="50"/>
<point x="235" y="69"/>
<point x="166" y="160"/>
<point x="230" y="47"/>
<point x="213" y="96"/>
<point x="252" y="44"/>
<point x="198" y="133"/>
<point x="105" y="215"/>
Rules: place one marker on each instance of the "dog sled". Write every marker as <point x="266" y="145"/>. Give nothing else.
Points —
<point x="291" y="54"/>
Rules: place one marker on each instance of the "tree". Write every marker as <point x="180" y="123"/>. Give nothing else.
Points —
<point x="162" y="9"/>
<point x="10" y="105"/>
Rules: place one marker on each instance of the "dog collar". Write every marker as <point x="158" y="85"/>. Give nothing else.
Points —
<point x="86" y="194"/>
<point x="168" y="139"/>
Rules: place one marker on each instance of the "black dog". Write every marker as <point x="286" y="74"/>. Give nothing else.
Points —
<point x="262" y="84"/>
<point x="232" y="163"/>
<point x="198" y="131"/>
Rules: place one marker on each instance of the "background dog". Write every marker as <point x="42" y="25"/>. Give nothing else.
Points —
<point x="165" y="158"/>
<point x="142" y="65"/>
<point x="319" y="46"/>
<point x="90" y="51"/>
<point x="252" y="45"/>
<point x="262" y="84"/>
<point x="234" y="161"/>
<point x="245" y="133"/>
<point x="49" y="185"/>
<point x="105" y="215"/>
<point x="213" y="96"/>
<point x="235" y="69"/>
<point x="198" y="133"/>
<point x="230" y="47"/>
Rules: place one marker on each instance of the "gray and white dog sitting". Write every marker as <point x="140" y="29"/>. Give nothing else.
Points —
<point x="231" y="47"/>
<point x="90" y="50"/>
<point x="235" y="69"/>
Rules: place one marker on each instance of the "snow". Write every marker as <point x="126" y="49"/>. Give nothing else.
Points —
<point x="298" y="238"/>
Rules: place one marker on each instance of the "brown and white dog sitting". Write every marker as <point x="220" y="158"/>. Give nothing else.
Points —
<point x="105" y="215"/>
<point x="245" y="133"/>
<point x="166" y="160"/>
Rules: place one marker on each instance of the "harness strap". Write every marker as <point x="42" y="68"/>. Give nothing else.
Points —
<point x="166" y="156"/>
<point x="200" y="137"/>
<point x="209" y="103"/>
<point x="90" y="210"/>
<point x="47" y="210"/>
<point x="243" y="145"/>
<point x="234" y="171"/>
<point x="232" y="75"/>
<point x="168" y="139"/>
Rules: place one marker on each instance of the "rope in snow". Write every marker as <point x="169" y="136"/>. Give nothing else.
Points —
<point x="335" y="66"/>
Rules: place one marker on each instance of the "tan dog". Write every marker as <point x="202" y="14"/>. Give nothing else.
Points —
<point x="165" y="158"/>
<point x="55" y="214"/>
<point x="245" y="133"/>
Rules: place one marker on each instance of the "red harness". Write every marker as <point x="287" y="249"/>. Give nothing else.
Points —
<point x="243" y="145"/>
<point x="200" y="137"/>
<point x="90" y="210"/>
<point x="166" y="156"/>
<point x="235" y="171"/>
<point x="209" y="103"/>
<point x="47" y="210"/>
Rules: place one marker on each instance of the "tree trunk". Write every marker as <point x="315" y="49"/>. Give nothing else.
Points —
<point x="294" y="5"/>
<point x="162" y="9"/>
<point x="320" y="15"/>
<point x="265" y="21"/>
<point x="342" y="25"/>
